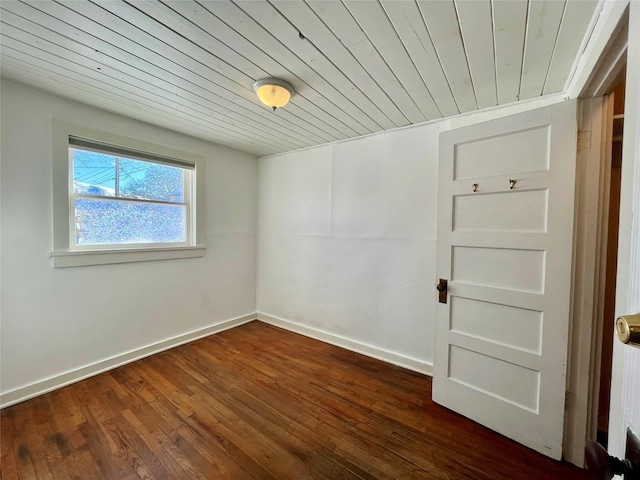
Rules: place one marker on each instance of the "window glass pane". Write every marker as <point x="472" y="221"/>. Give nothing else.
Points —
<point x="93" y="173"/>
<point x="107" y="175"/>
<point x="120" y="222"/>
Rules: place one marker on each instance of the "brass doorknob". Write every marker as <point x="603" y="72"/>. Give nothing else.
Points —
<point x="628" y="329"/>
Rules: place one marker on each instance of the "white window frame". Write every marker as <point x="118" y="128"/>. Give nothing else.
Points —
<point x="66" y="253"/>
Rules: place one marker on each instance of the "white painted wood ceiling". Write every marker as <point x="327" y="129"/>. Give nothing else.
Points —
<point x="358" y="66"/>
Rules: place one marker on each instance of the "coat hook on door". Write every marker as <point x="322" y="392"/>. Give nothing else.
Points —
<point x="512" y="183"/>
<point x="474" y="187"/>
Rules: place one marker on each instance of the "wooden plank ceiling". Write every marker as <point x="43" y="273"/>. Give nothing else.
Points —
<point x="357" y="66"/>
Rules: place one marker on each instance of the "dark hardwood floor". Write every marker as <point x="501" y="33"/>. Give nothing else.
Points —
<point x="256" y="402"/>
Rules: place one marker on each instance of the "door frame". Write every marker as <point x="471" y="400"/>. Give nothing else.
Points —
<point x="591" y="84"/>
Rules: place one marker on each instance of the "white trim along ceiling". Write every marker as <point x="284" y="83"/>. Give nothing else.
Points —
<point x="357" y="67"/>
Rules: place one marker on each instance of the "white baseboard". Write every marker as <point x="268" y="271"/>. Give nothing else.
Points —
<point x="64" y="379"/>
<point x="394" y="358"/>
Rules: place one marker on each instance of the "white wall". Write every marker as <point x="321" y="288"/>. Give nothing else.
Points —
<point x="60" y="324"/>
<point x="347" y="240"/>
<point x="347" y="236"/>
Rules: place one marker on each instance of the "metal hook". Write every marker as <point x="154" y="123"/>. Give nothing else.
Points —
<point x="512" y="183"/>
<point x="474" y="187"/>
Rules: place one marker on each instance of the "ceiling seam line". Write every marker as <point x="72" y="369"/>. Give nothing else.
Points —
<point x="356" y="60"/>
<point x="195" y="60"/>
<point x="99" y="39"/>
<point x="495" y="50"/>
<point x="156" y="105"/>
<point x="424" y="82"/>
<point x="241" y="120"/>
<point x="375" y="106"/>
<point x="185" y="125"/>
<point x="173" y="104"/>
<point x="319" y="120"/>
<point x="524" y="48"/>
<point x="315" y="71"/>
<point x="382" y="57"/>
<point x="466" y="53"/>
<point x="175" y="32"/>
<point x="435" y="49"/>
<point x="555" y="48"/>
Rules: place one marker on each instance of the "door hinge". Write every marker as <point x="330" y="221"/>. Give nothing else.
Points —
<point x="584" y="139"/>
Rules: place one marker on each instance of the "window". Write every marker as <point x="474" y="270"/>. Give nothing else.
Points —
<point x="122" y="202"/>
<point x="118" y="200"/>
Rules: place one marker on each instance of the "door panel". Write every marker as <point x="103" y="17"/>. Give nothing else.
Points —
<point x="513" y="327"/>
<point x="490" y="156"/>
<point x="510" y="382"/>
<point x="506" y="207"/>
<point x="511" y="268"/>
<point x="505" y="229"/>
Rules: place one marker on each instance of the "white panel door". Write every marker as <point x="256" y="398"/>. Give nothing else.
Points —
<point x="505" y="233"/>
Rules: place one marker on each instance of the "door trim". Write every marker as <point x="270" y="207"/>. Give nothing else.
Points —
<point x="590" y="244"/>
<point x="607" y="56"/>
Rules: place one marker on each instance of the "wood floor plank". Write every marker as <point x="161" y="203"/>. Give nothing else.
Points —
<point x="257" y="402"/>
<point x="373" y="439"/>
<point x="330" y="438"/>
<point x="205" y="442"/>
<point x="8" y="435"/>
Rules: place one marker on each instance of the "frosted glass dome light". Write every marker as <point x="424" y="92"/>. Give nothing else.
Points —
<point x="273" y="92"/>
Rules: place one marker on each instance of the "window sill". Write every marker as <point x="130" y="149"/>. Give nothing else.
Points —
<point x="80" y="258"/>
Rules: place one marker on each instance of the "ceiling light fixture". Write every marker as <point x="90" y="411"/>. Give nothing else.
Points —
<point x="273" y="92"/>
